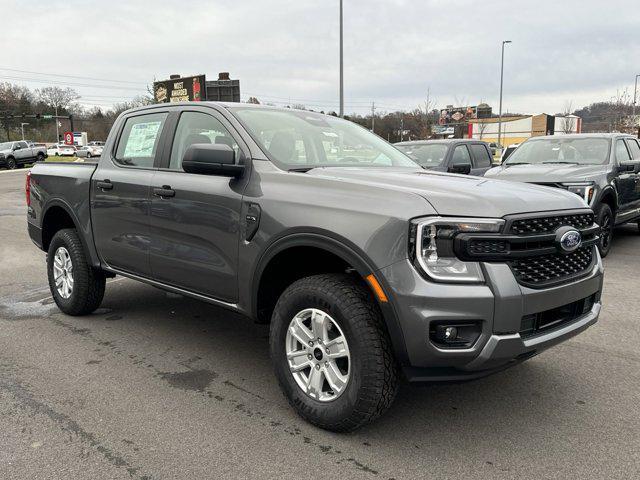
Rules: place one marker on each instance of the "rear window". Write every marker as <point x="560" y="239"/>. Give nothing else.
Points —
<point x="139" y="140"/>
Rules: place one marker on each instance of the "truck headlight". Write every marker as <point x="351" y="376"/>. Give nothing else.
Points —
<point x="431" y="247"/>
<point x="584" y="189"/>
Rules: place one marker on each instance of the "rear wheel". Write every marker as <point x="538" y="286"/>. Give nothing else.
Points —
<point x="11" y="163"/>
<point x="40" y="157"/>
<point x="331" y="353"/>
<point x="605" y="218"/>
<point x="76" y="287"/>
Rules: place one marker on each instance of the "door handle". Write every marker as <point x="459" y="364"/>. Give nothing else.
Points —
<point x="105" y="185"/>
<point x="165" y="192"/>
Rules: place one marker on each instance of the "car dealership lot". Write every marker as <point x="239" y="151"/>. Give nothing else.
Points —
<point x="154" y="385"/>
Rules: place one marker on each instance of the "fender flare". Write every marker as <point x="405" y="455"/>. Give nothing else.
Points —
<point x="605" y="191"/>
<point x="88" y="249"/>
<point x="348" y="252"/>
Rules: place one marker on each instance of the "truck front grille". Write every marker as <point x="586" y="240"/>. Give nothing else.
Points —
<point x="537" y="225"/>
<point x="530" y="245"/>
<point x="545" y="270"/>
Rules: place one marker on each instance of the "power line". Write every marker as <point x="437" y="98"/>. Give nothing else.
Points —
<point x="55" y="82"/>
<point x="71" y="76"/>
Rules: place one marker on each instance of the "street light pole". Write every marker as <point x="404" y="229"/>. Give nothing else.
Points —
<point x="341" y="68"/>
<point x="504" y="42"/>
<point x="22" y="129"/>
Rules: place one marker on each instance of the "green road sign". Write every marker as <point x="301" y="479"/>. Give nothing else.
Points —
<point x="47" y="117"/>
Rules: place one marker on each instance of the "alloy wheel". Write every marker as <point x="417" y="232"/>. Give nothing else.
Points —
<point x="63" y="272"/>
<point x="318" y="355"/>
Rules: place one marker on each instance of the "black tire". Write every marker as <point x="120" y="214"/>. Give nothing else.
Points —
<point x="11" y="163"/>
<point x="40" y="157"/>
<point x="88" y="155"/>
<point x="605" y="218"/>
<point x="373" y="372"/>
<point x="88" y="283"/>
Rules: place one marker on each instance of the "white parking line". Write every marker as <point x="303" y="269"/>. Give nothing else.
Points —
<point x="17" y="170"/>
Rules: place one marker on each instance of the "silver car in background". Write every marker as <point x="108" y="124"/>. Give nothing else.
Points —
<point x="89" y="151"/>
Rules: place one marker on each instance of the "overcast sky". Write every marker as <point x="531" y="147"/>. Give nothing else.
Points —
<point x="287" y="51"/>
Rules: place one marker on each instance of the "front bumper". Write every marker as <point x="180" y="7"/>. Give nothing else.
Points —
<point x="499" y="306"/>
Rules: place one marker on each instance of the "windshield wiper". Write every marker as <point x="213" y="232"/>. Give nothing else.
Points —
<point x="517" y="163"/>
<point x="300" y="169"/>
<point x="563" y="163"/>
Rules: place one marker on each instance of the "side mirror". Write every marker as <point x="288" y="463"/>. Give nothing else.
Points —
<point x="462" y="168"/>
<point x="211" y="159"/>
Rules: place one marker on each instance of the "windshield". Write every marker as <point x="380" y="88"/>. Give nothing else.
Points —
<point x="427" y="155"/>
<point x="298" y="139"/>
<point x="580" y="151"/>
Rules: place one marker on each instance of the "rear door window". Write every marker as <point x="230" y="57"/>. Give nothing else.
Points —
<point x="139" y="140"/>
<point x="481" y="158"/>
<point x="622" y="154"/>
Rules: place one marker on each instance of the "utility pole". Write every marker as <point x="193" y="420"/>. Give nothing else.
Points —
<point x="57" y="128"/>
<point x="401" y="126"/>
<point x="504" y="42"/>
<point x="373" y="117"/>
<point x="341" y="67"/>
<point x="635" y="96"/>
<point x="22" y="128"/>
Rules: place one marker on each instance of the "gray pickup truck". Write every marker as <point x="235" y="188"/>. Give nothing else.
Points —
<point x="368" y="268"/>
<point x="17" y="154"/>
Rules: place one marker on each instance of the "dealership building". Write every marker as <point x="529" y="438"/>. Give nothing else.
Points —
<point x="516" y="129"/>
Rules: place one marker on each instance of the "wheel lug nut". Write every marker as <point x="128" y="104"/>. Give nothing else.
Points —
<point x="311" y="344"/>
<point x="327" y="350"/>
<point x="309" y="356"/>
<point x="317" y="366"/>
<point x="319" y="340"/>
<point x="326" y="364"/>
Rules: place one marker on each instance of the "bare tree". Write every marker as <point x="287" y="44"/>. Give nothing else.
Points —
<point x="482" y="127"/>
<point x="568" y="121"/>
<point x="56" y="97"/>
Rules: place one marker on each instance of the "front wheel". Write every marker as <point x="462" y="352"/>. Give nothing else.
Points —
<point x="11" y="163"/>
<point x="605" y="218"/>
<point x="76" y="287"/>
<point x="331" y="353"/>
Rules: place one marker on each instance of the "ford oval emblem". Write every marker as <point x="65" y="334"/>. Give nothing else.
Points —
<point x="570" y="240"/>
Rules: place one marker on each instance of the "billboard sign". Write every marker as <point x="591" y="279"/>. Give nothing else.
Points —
<point x="68" y="138"/>
<point x="180" y="89"/>
<point x="463" y="114"/>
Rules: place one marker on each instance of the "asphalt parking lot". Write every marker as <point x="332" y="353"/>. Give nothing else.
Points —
<point x="154" y="385"/>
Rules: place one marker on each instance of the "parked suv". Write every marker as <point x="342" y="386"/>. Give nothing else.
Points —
<point x="603" y="169"/>
<point x="454" y="156"/>
<point x="367" y="266"/>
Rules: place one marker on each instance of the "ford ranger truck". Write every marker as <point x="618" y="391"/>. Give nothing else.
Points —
<point x="368" y="268"/>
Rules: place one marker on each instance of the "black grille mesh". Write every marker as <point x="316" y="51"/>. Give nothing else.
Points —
<point x="550" y="224"/>
<point x="480" y="247"/>
<point x="545" y="269"/>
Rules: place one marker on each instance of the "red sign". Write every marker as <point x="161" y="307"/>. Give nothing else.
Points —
<point x="68" y="138"/>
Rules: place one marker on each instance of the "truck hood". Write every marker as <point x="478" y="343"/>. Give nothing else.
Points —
<point x="548" y="173"/>
<point x="459" y="195"/>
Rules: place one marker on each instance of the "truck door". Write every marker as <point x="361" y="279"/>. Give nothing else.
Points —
<point x="625" y="180"/>
<point x="22" y="152"/>
<point x="195" y="219"/>
<point x="481" y="158"/>
<point x="634" y="150"/>
<point x="120" y="198"/>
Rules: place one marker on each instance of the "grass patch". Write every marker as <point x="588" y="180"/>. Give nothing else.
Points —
<point x="61" y="159"/>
